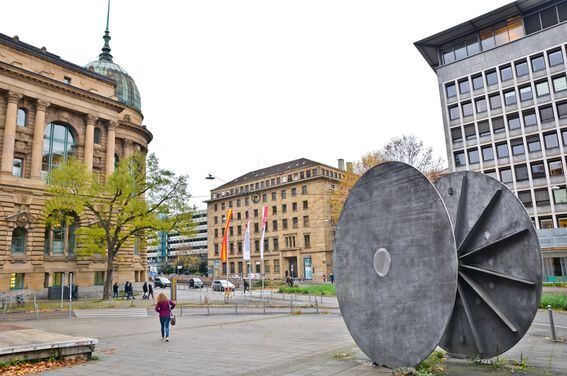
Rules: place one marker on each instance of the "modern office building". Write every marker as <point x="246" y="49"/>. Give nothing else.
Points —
<point x="169" y="247"/>
<point x="503" y="91"/>
<point x="51" y="109"/>
<point x="299" y="232"/>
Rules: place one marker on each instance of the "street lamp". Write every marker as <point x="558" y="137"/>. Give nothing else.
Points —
<point x="212" y="177"/>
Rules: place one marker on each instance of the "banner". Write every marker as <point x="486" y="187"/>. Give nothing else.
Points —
<point x="247" y="242"/>
<point x="264" y="221"/>
<point x="224" y="246"/>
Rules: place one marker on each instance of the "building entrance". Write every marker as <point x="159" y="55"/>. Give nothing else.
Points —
<point x="292" y="266"/>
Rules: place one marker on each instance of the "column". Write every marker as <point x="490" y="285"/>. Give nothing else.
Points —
<point x="38" y="129"/>
<point x="9" y="133"/>
<point x="110" y="145"/>
<point x="128" y="148"/>
<point x="89" y="141"/>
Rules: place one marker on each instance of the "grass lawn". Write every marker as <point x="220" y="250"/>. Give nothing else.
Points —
<point x="327" y="289"/>
<point x="556" y="301"/>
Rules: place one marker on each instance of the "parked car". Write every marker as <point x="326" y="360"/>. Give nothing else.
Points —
<point x="221" y="284"/>
<point x="162" y="282"/>
<point x="196" y="283"/>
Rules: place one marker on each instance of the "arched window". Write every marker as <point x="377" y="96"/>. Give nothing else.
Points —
<point x="116" y="161"/>
<point x="60" y="239"/>
<point x="58" y="144"/>
<point x="19" y="236"/>
<point x="22" y="120"/>
<point x="97" y="136"/>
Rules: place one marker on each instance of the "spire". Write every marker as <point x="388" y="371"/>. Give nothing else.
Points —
<point x="105" y="55"/>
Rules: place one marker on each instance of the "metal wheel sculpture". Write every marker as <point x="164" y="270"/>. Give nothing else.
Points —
<point x="417" y="265"/>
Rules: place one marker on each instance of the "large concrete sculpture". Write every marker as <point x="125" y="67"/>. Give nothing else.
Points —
<point x="455" y="264"/>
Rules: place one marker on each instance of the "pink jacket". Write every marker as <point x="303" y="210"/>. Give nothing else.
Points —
<point x="164" y="308"/>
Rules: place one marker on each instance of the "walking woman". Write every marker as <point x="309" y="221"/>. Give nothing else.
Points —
<point x="164" y="307"/>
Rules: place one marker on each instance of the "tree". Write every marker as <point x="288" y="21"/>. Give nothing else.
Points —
<point x="407" y="148"/>
<point x="137" y="200"/>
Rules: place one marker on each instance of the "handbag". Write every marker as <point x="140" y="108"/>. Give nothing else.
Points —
<point x="173" y="320"/>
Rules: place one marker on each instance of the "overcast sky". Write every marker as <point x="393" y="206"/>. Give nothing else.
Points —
<point x="232" y="86"/>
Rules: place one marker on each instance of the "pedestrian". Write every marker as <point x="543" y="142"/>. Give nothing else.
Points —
<point x="115" y="290"/>
<point x="131" y="291"/>
<point x="126" y="289"/>
<point x="150" y="291"/>
<point x="332" y="278"/>
<point x="246" y="286"/>
<point x="164" y="307"/>
<point x="324" y="278"/>
<point x="145" y="289"/>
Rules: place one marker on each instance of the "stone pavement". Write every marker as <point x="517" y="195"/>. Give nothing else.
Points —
<point x="261" y="345"/>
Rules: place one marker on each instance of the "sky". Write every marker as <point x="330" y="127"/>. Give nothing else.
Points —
<point x="231" y="86"/>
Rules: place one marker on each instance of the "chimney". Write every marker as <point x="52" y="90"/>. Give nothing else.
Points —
<point x="349" y="166"/>
<point x="341" y="164"/>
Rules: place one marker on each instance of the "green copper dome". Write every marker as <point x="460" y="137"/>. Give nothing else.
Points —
<point x="126" y="89"/>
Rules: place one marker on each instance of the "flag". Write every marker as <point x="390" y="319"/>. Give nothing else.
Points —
<point x="224" y="246"/>
<point x="264" y="221"/>
<point x="247" y="241"/>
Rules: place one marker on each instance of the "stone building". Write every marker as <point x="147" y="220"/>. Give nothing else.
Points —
<point x="51" y="109"/>
<point x="299" y="232"/>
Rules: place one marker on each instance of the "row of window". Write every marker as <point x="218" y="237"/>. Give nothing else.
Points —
<point x="509" y="97"/>
<point x="263" y="198"/>
<point x="238" y="215"/>
<point x="240" y="265"/>
<point x="541" y="197"/>
<point x="256" y="226"/>
<point x="18" y="280"/>
<point x="522" y="172"/>
<point x="290" y="242"/>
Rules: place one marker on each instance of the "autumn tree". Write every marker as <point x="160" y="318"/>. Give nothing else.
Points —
<point x="136" y="201"/>
<point x="407" y="148"/>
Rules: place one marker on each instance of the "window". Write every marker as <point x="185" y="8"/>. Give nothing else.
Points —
<point x="216" y="207"/>
<point x="274" y="225"/>
<point x="487" y="153"/>
<point x="513" y="121"/>
<point x="510" y="97"/>
<point x="555" y="57"/>
<point x="274" y="210"/>
<point x="560" y="196"/>
<point x="470" y="133"/>
<point x="17" y="281"/>
<point x="266" y="265"/>
<point x="546" y="114"/>
<point x="98" y="278"/>
<point x="60" y="238"/>
<point x="562" y="110"/>
<point x="97" y="135"/>
<point x="67" y="80"/>
<point x="534" y="143"/>
<point x="521" y="68"/>
<point x="495" y="101"/>
<point x="541" y="197"/>
<point x="464" y="86"/>
<point x="284" y="224"/>
<point x="304" y="190"/>
<point x="293" y="192"/>
<point x="532" y="23"/>
<point x="555" y="168"/>
<point x="551" y="140"/>
<point x="538" y="63"/>
<point x="19" y="236"/>
<point x="456" y="134"/>
<point x="542" y="88"/>
<point x="521" y="172"/>
<point x="264" y="197"/>
<point x="290" y="241"/>
<point x="548" y="17"/>
<point x="473" y="156"/>
<point x="506" y="175"/>
<point x="294" y="206"/>
<point x="238" y="202"/>
<point x="502" y="150"/>
<point x="491" y="78"/>
<point x="480" y="104"/>
<point x="256" y="227"/>
<point x="305" y="205"/>
<point x="239" y="230"/>
<point x="517" y="146"/>
<point x="491" y="173"/>
<point x="498" y="124"/>
<point x="276" y="265"/>
<point x="460" y="158"/>
<point x="467" y="109"/>
<point x="22" y="117"/>
<point x="274" y="196"/>
<point x="294" y="222"/>
<point x="564" y="136"/>
<point x="266" y="244"/>
<point x="305" y="221"/>
<point x="506" y="73"/>
<point x="18" y="167"/>
<point x="559" y="83"/>
<point x="58" y="145"/>
<point x="283" y="194"/>
<point x="453" y="114"/>
<point x="216" y="249"/>
<point x="255" y="213"/>
<point x="276" y="245"/>
<point x="307" y="240"/>
<point x="284" y="208"/>
<point x="538" y="170"/>
<point x="257" y="245"/>
<point x="526" y="93"/>
<point x="477" y="82"/>
<point x="526" y="198"/>
<point x="530" y="118"/>
<point x="483" y="128"/>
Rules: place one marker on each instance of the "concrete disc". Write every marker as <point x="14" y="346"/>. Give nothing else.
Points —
<point x="395" y="265"/>
<point x="499" y="284"/>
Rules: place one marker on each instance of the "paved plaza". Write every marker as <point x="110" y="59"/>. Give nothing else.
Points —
<point x="304" y="344"/>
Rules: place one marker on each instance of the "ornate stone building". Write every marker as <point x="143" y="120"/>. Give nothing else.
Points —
<point x="51" y="109"/>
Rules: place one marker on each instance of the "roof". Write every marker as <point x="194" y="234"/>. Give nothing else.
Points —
<point x="429" y="46"/>
<point x="14" y="42"/>
<point x="272" y="170"/>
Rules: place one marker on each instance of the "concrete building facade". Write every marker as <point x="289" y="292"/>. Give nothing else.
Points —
<point x="51" y="109"/>
<point x="299" y="232"/>
<point x="503" y="88"/>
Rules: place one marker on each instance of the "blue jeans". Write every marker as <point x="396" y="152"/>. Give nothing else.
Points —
<point x="164" y="321"/>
